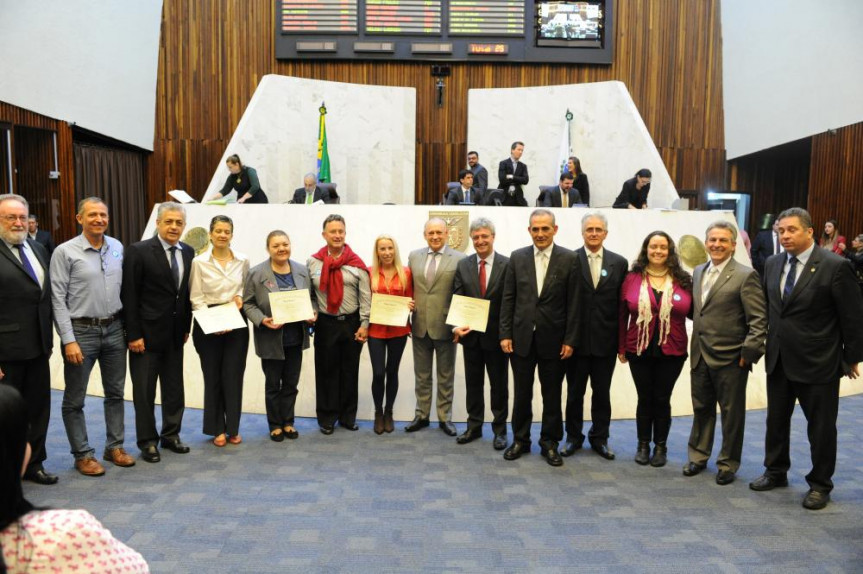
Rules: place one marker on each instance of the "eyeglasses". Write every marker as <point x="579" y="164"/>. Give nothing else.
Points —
<point x="14" y="218"/>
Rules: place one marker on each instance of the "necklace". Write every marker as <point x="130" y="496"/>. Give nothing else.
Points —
<point x="654" y="273"/>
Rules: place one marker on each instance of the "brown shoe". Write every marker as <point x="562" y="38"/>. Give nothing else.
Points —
<point x="89" y="466"/>
<point x="388" y="421"/>
<point x="379" y="422"/>
<point x="118" y="456"/>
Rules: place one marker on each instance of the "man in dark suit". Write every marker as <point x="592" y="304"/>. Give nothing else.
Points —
<point x="512" y="174"/>
<point x="40" y="236"/>
<point x="464" y="193"/>
<point x="565" y="195"/>
<point x="481" y="276"/>
<point x="765" y="244"/>
<point x="602" y="274"/>
<point x="538" y="328"/>
<point x="480" y="174"/>
<point x="158" y="317"/>
<point x="814" y="337"/>
<point x="26" y="339"/>
<point x="310" y="192"/>
<point x="728" y="334"/>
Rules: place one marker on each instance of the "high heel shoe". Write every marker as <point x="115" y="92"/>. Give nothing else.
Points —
<point x="379" y="422"/>
<point x="388" y="421"/>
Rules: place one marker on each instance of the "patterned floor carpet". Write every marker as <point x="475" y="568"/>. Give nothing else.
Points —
<point x="358" y="502"/>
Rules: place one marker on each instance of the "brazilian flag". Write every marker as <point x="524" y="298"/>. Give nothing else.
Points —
<point x="323" y="154"/>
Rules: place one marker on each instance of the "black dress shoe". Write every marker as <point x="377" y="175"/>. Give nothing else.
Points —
<point x="551" y="456"/>
<point x="815" y="500"/>
<point x="151" y="454"/>
<point x="724" y="477"/>
<point x="468" y="436"/>
<point x="691" y="469"/>
<point x="602" y="450"/>
<point x="448" y="428"/>
<point x="349" y="426"/>
<point x="417" y="424"/>
<point x="516" y="450"/>
<point x="327" y="429"/>
<point x="767" y="482"/>
<point x="41" y="477"/>
<point x="569" y="448"/>
<point x="175" y="446"/>
<point x="499" y="442"/>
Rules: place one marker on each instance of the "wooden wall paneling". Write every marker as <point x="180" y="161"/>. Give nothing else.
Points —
<point x="836" y="180"/>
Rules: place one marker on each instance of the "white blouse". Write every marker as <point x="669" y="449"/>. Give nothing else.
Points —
<point x="210" y="284"/>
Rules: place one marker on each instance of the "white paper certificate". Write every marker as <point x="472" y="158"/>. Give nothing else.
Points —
<point x="291" y="306"/>
<point x="468" y="312"/>
<point x="389" y="310"/>
<point x="219" y="318"/>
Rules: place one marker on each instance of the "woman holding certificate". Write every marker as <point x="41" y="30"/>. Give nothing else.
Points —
<point x="216" y="279"/>
<point x="280" y="346"/>
<point x="387" y="342"/>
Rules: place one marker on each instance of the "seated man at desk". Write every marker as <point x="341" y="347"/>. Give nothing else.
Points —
<point x="465" y="192"/>
<point x="311" y="191"/>
<point x="565" y="195"/>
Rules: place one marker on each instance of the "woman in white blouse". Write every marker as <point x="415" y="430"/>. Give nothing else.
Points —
<point x="217" y="278"/>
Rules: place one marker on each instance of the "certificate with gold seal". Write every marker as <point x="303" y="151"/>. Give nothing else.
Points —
<point x="468" y="312"/>
<point x="291" y="306"/>
<point x="390" y="310"/>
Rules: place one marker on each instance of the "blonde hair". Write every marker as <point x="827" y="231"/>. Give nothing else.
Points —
<point x="397" y="262"/>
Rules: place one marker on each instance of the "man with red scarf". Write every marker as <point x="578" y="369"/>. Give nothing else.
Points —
<point x="342" y="300"/>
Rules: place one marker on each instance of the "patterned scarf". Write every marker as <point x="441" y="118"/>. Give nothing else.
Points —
<point x="645" y="313"/>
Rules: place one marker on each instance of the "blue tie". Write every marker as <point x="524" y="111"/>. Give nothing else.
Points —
<point x="791" y="278"/>
<point x="175" y="267"/>
<point x="26" y="263"/>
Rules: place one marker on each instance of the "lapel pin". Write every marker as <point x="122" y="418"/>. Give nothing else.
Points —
<point x="604" y="273"/>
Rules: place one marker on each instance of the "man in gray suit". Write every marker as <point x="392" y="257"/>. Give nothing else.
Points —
<point x="433" y="270"/>
<point x="728" y="335"/>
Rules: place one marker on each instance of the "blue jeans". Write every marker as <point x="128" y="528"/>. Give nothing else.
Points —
<point x="108" y="346"/>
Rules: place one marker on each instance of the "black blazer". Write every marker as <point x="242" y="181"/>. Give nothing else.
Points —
<point x="629" y="195"/>
<point x="817" y="331"/>
<point x="456" y="196"/>
<point x="599" y="307"/>
<point x="519" y="178"/>
<point x="552" y="316"/>
<point x="583" y="187"/>
<point x="762" y="248"/>
<point x="153" y="307"/>
<point x="25" y="315"/>
<point x="480" y="177"/>
<point x="553" y="198"/>
<point x="320" y="194"/>
<point x="467" y="283"/>
<point x="44" y="238"/>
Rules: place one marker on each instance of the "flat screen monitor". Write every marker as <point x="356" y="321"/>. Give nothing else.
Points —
<point x="571" y="24"/>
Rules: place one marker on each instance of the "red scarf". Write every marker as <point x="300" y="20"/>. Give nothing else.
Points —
<point x="331" y="283"/>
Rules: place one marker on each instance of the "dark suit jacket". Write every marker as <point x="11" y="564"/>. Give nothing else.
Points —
<point x="480" y="177"/>
<point x="762" y="248"/>
<point x="153" y="307"/>
<point x="598" y="307"/>
<point x="25" y="313"/>
<point x="44" y="238"/>
<point x="732" y="321"/>
<point x="456" y="196"/>
<point x="519" y="178"/>
<point x="629" y="195"/>
<point x="552" y="316"/>
<point x="467" y="283"/>
<point x="320" y="194"/>
<point x="817" y="331"/>
<point x="553" y="198"/>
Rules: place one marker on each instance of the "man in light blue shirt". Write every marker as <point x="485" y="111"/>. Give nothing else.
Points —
<point x="86" y="277"/>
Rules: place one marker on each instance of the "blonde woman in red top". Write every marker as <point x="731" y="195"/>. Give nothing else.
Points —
<point x="386" y="344"/>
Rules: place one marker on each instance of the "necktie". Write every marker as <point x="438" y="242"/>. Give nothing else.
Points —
<point x="594" y="268"/>
<point x="482" y="279"/>
<point x="564" y="198"/>
<point x="26" y="263"/>
<point x="467" y="196"/>
<point x="309" y="197"/>
<point x="432" y="268"/>
<point x="175" y="266"/>
<point x="541" y="268"/>
<point x="791" y="278"/>
<point x="712" y="275"/>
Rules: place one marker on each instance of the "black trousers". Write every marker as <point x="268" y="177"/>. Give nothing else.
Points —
<point x="281" y="379"/>
<point x="337" y="363"/>
<point x="820" y="405"/>
<point x="599" y="370"/>
<point x="166" y="368"/>
<point x="257" y="197"/>
<point x="386" y="356"/>
<point x="223" y="364"/>
<point x="654" y="379"/>
<point x="32" y="378"/>
<point x="478" y="361"/>
<point x="551" y="372"/>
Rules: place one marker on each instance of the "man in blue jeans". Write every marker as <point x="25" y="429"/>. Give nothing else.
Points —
<point x="86" y="276"/>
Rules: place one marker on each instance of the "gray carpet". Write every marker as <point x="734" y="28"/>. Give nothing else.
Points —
<point x="358" y="502"/>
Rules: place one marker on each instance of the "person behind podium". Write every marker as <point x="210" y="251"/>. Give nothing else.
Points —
<point x="465" y="193"/>
<point x="480" y="174"/>
<point x="342" y="299"/>
<point x="573" y="166"/>
<point x="512" y="174"/>
<point x="634" y="192"/>
<point x="244" y="180"/>
<point x="311" y="192"/>
<point x="387" y="343"/>
<point x="565" y="195"/>
<point x="218" y="277"/>
<point x="280" y="346"/>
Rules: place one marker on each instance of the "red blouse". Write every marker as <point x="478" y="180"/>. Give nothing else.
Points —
<point x="394" y="288"/>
